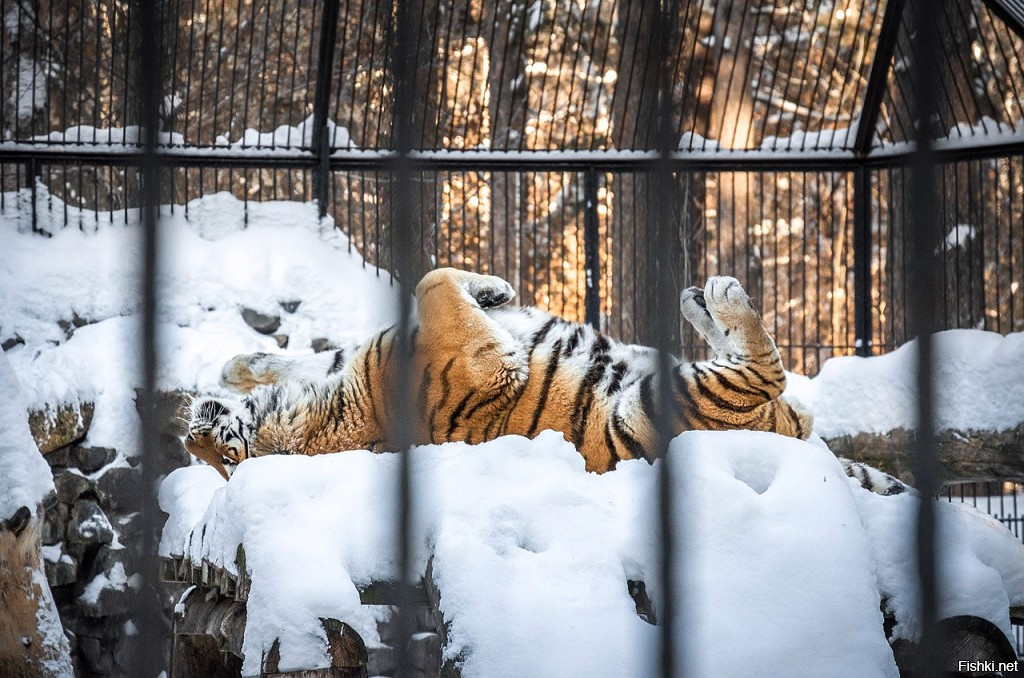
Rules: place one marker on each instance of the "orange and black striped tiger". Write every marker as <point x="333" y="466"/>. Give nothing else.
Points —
<point x="483" y="370"/>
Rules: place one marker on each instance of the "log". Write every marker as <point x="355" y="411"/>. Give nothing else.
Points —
<point x="963" y="455"/>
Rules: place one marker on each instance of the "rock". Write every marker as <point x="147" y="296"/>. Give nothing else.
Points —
<point x="282" y="340"/>
<point x="55" y="524"/>
<point x="425" y="652"/>
<point x="70" y="486"/>
<point x="92" y="459"/>
<point x="54" y="429"/>
<point x="61" y="458"/>
<point x="11" y="342"/>
<point x="382" y="661"/>
<point x="321" y="344"/>
<point x="290" y="306"/>
<point x="89" y="524"/>
<point x="120" y="489"/>
<point x="171" y="409"/>
<point x="62" y="572"/>
<point x="262" y="323"/>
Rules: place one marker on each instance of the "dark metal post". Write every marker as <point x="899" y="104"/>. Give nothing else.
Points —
<point x="862" y="261"/>
<point x="31" y="170"/>
<point x="149" y="644"/>
<point x="662" y="297"/>
<point x="923" y="308"/>
<point x="591" y="250"/>
<point x="321" y="143"/>
<point x="402" y="54"/>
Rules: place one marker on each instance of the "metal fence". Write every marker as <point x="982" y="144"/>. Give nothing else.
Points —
<point x="602" y="164"/>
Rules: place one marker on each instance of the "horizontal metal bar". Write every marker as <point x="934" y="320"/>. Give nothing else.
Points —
<point x="504" y="161"/>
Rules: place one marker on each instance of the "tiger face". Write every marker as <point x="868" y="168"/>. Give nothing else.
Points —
<point x="218" y="434"/>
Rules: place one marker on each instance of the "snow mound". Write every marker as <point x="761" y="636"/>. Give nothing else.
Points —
<point x="531" y="554"/>
<point x="73" y="299"/>
<point x="25" y="478"/>
<point x="979" y="386"/>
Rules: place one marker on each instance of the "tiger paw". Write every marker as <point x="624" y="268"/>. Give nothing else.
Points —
<point x="728" y="303"/>
<point x="692" y="304"/>
<point x="489" y="291"/>
<point x="212" y="434"/>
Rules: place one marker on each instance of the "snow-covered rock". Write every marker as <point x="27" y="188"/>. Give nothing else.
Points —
<point x="782" y="559"/>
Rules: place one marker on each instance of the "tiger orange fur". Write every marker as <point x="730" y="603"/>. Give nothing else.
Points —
<point x="480" y="371"/>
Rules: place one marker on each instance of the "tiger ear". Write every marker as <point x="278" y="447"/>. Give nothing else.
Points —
<point x="206" y="417"/>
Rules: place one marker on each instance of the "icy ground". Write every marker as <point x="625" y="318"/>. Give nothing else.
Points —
<point x="786" y="559"/>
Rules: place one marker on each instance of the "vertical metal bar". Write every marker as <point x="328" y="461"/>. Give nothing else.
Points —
<point x="402" y="56"/>
<point x="661" y="298"/>
<point x="862" y="260"/>
<point x="923" y="307"/>
<point x="148" y="650"/>
<point x="591" y="247"/>
<point x="321" y="100"/>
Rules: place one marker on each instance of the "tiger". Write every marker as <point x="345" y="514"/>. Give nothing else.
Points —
<point x="483" y="369"/>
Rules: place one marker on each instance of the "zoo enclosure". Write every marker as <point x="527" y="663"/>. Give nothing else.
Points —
<point x="772" y="143"/>
<point x="533" y="135"/>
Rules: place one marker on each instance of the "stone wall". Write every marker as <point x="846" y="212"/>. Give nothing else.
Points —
<point x="92" y="532"/>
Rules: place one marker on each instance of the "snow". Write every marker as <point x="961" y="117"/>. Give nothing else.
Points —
<point x="87" y="134"/>
<point x="287" y="136"/>
<point x="115" y="578"/>
<point x="979" y="386"/>
<point x="959" y="236"/>
<point x="56" y="659"/>
<point x="531" y="554"/>
<point x="224" y="256"/>
<point x="25" y="478"/>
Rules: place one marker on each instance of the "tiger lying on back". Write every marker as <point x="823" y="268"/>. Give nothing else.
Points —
<point x="483" y="371"/>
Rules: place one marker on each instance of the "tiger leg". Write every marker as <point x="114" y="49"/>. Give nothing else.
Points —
<point x="463" y="350"/>
<point x="695" y="309"/>
<point x="245" y="372"/>
<point x="755" y="363"/>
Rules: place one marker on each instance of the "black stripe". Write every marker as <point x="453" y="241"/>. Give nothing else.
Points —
<point x="541" y="333"/>
<point x="585" y="395"/>
<point x="647" y="396"/>
<point x="742" y="374"/>
<point x="610" y="443"/>
<point x="725" y="383"/>
<point x="631" y="443"/>
<point x="617" y="373"/>
<point x="690" y="407"/>
<point x="338" y="362"/>
<point x="446" y="389"/>
<point x="717" y="400"/>
<point x="484" y="402"/>
<point x="368" y="387"/>
<point x="453" y="420"/>
<point x="574" y="340"/>
<point x="549" y="376"/>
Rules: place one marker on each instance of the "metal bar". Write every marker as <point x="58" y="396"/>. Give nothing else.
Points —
<point x="591" y="248"/>
<point x="879" y="76"/>
<point x="862" y="261"/>
<point x="498" y="161"/>
<point x="322" y="99"/>
<point x="402" y="58"/>
<point x="923" y="304"/>
<point x="147" y="650"/>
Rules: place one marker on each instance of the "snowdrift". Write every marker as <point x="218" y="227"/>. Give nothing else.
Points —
<point x="784" y="560"/>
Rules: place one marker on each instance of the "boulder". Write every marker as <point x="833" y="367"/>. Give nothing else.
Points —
<point x="290" y="306"/>
<point x="321" y="344"/>
<point x="90" y="459"/>
<point x="53" y="429"/>
<point x="70" y="485"/>
<point x="120" y="489"/>
<point x="261" y="322"/>
<point x="89" y="524"/>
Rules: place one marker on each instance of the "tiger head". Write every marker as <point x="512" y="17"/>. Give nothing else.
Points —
<point x="219" y="434"/>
